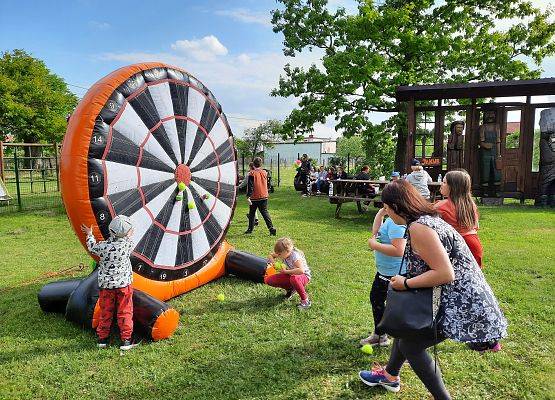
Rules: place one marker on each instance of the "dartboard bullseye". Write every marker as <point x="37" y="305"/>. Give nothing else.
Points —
<point x="152" y="143"/>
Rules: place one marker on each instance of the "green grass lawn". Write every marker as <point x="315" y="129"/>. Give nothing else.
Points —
<point x="253" y="345"/>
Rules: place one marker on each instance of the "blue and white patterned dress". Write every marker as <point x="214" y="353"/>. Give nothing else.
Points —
<point x="468" y="311"/>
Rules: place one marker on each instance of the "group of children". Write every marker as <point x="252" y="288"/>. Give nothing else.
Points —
<point x="388" y="242"/>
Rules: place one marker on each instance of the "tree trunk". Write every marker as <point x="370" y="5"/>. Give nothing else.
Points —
<point x="32" y="151"/>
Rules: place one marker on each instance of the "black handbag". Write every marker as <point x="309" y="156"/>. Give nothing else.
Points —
<point x="409" y="313"/>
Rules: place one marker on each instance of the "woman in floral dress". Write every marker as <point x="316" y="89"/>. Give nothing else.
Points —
<point x="436" y="256"/>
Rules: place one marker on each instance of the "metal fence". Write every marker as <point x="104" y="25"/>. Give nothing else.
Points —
<point x="30" y="173"/>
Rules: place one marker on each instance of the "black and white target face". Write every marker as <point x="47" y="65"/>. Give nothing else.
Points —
<point x="162" y="153"/>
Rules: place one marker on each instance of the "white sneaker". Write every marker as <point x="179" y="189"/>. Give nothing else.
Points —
<point x="373" y="340"/>
<point x="384" y="341"/>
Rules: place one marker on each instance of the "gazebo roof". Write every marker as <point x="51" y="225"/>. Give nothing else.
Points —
<point x="532" y="87"/>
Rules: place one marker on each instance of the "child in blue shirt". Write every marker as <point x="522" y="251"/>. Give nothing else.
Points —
<point x="388" y="242"/>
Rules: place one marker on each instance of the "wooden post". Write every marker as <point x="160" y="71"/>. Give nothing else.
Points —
<point x="2" y="160"/>
<point x="411" y="122"/>
<point x="439" y="119"/>
<point x="16" y="167"/>
<point x="57" y="166"/>
<point x="526" y="149"/>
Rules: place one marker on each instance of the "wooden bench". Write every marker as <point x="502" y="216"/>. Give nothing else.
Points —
<point x="349" y="190"/>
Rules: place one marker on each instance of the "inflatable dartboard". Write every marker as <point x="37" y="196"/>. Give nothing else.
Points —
<point x="151" y="142"/>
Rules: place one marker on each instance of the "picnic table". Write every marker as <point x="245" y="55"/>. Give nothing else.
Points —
<point x="351" y="190"/>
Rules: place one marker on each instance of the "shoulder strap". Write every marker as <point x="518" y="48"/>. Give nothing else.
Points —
<point x="405" y="236"/>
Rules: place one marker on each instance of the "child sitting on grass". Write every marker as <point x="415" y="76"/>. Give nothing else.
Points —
<point x="114" y="280"/>
<point x="296" y="274"/>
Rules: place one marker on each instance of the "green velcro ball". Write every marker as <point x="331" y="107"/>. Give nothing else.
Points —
<point x="191" y="205"/>
<point x="181" y="186"/>
<point x="179" y="197"/>
<point x="278" y="265"/>
<point x="367" y="349"/>
<point x="221" y="297"/>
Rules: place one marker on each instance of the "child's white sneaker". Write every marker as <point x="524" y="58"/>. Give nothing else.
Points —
<point x="128" y="345"/>
<point x="304" y="305"/>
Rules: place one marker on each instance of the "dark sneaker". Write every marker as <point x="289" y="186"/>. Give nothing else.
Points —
<point x="304" y="305"/>
<point x="376" y="377"/>
<point x="128" y="345"/>
<point x="102" y="343"/>
<point x="289" y="294"/>
<point x="273" y="232"/>
<point x="248" y="232"/>
<point x="493" y="346"/>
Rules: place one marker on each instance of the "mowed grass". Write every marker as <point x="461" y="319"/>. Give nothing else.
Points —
<point x="255" y="346"/>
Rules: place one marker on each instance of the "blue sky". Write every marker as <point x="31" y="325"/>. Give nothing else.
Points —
<point x="229" y="45"/>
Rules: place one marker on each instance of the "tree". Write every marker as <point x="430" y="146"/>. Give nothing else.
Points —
<point x="34" y="102"/>
<point x="365" y="57"/>
<point x="350" y="146"/>
<point x="255" y="139"/>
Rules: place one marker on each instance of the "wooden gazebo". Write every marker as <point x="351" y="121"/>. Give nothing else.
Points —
<point x="433" y="109"/>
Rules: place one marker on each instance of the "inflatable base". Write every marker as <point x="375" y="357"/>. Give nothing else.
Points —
<point x="78" y="300"/>
<point x="152" y="318"/>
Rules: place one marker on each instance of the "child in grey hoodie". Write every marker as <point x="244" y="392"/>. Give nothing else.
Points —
<point x="419" y="178"/>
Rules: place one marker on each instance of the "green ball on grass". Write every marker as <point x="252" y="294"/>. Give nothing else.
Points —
<point x="220" y="297"/>
<point x="367" y="349"/>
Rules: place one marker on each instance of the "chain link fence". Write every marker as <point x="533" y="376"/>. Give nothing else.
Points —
<point x="29" y="175"/>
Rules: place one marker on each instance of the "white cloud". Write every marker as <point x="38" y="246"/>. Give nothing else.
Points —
<point x="101" y="26"/>
<point x="247" y="16"/>
<point x="241" y="83"/>
<point x="205" y="49"/>
<point x="244" y="58"/>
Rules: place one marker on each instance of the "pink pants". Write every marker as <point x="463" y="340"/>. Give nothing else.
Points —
<point x="289" y="282"/>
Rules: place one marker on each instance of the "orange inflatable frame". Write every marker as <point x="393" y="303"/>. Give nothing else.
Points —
<point x="75" y="185"/>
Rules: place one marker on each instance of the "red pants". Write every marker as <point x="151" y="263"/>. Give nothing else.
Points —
<point x="108" y="300"/>
<point x="289" y="282"/>
<point x="475" y="246"/>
